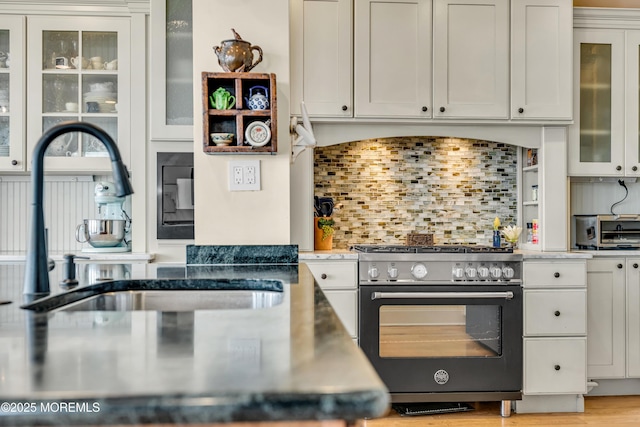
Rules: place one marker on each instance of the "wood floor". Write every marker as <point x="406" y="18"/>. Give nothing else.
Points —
<point x="610" y="411"/>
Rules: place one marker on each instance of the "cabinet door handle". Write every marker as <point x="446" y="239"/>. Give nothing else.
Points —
<point x="618" y="168"/>
<point x="635" y="265"/>
<point x="323" y="276"/>
<point x="619" y="265"/>
<point x="556" y="274"/>
<point x="14" y="162"/>
<point x="442" y="109"/>
<point x="345" y="108"/>
<point x="556" y="313"/>
<point x="635" y="168"/>
<point x="520" y="110"/>
<point x="556" y="367"/>
<point x="424" y="108"/>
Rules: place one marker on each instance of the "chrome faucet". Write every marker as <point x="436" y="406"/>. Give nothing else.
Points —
<point x="36" y="281"/>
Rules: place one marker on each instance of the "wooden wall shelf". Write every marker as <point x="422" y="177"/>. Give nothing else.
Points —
<point x="237" y="119"/>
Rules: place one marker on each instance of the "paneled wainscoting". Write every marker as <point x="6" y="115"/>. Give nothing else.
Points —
<point x="67" y="201"/>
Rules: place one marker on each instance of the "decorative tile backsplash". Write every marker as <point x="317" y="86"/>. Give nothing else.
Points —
<point x="391" y="187"/>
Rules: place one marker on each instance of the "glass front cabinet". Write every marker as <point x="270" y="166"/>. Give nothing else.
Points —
<point x="12" y="45"/>
<point x="605" y="137"/>
<point x="78" y="70"/>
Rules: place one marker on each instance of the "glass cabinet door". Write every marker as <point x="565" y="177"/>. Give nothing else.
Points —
<point x="597" y="136"/>
<point x="632" y="146"/>
<point x="12" y="93"/>
<point x="81" y="74"/>
<point x="171" y="70"/>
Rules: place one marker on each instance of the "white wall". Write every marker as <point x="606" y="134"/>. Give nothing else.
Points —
<point x="245" y="217"/>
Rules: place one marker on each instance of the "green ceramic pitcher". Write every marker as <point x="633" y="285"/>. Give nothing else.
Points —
<point x="221" y="99"/>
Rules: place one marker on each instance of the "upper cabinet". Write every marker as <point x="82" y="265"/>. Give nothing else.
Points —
<point x="78" y="69"/>
<point x="541" y="60"/>
<point x="605" y="137"/>
<point x="12" y="88"/>
<point x="321" y="51"/>
<point x="392" y="67"/>
<point x="171" y="70"/>
<point x="471" y="59"/>
<point x="433" y="60"/>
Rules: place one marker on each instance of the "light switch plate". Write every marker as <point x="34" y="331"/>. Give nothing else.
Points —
<point x="244" y="175"/>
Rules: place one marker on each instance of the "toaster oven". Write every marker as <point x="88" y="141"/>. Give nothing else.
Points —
<point x="607" y="231"/>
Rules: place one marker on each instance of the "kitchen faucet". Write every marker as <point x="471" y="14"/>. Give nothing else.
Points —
<point x="36" y="281"/>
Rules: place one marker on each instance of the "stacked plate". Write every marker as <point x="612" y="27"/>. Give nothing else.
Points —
<point x="4" y="151"/>
<point x="106" y="100"/>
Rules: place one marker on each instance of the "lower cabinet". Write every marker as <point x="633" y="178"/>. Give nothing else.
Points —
<point x="338" y="280"/>
<point x="614" y="318"/>
<point x="554" y="334"/>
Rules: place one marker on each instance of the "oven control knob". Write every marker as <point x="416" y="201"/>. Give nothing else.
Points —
<point x="419" y="271"/>
<point x="373" y="273"/>
<point x="495" y="272"/>
<point x="508" y="272"/>
<point x="458" y="273"/>
<point x="471" y="272"/>
<point x="483" y="272"/>
<point x="393" y="273"/>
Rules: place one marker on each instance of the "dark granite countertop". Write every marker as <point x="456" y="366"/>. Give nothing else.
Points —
<point x="291" y="361"/>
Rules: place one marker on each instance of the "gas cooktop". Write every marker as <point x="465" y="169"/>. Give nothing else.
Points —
<point x="445" y="249"/>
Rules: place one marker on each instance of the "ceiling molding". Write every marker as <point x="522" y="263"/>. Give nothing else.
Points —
<point x="77" y="7"/>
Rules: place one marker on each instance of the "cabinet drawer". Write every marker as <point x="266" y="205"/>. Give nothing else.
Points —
<point x="555" y="312"/>
<point x="334" y="274"/>
<point x="555" y="274"/>
<point x="555" y="365"/>
<point x="345" y="305"/>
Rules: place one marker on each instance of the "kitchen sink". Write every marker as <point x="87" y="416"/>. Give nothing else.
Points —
<point x="166" y="295"/>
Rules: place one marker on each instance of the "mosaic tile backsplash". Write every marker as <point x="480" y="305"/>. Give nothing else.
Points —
<point x="388" y="188"/>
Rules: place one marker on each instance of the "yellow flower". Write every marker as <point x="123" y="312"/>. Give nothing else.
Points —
<point x="496" y="223"/>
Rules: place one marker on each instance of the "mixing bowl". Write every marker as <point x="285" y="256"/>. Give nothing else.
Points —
<point x="101" y="233"/>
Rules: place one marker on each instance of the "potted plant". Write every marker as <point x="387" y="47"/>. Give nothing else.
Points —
<point x="323" y="233"/>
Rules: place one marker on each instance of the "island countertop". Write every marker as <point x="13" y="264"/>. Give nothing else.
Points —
<point x="291" y="361"/>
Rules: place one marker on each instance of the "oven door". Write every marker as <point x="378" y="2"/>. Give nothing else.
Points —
<point x="444" y="339"/>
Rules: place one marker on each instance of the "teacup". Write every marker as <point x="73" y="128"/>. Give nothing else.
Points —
<point x="80" y="62"/>
<point x="71" y="106"/>
<point x="97" y="63"/>
<point x="222" y="138"/>
<point x="113" y="65"/>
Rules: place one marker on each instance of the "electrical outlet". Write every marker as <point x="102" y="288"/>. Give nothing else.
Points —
<point x="244" y="175"/>
<point x="237" y="175"/>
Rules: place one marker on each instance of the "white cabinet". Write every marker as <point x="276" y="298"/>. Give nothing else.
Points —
<point x="633" y="317"/>
<point x="393" y="58"/>
<point x="338" y="280"/>
<point x="78" y="69"/>
<point x="555" y="327"/>
<point x="606" y="318"/>
<point x="171" y="58"/>
<point x="471" y="59"/>
<point x="541" y="59"/>
<point x="321" y="51"/>
<point x="614" y="318"/>
<point x="12" y="90"/>
<point x="597" y="137"/>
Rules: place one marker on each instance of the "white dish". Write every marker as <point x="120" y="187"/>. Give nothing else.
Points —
<point x="257" y="134"/>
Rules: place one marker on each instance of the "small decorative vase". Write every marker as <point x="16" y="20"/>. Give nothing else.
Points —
<point x="319" y="243"/>
<point x="496" y="238"/>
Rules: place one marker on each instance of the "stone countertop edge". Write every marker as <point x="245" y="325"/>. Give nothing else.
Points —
<point x="141" y="367"/>
<point x="332" y="254"/>
<point x="553" y="255"/>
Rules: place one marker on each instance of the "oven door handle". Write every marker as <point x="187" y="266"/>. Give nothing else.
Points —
<point x="440" y="295"/>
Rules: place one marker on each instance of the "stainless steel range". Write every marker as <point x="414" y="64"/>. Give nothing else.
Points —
<point x="443" y="323"/>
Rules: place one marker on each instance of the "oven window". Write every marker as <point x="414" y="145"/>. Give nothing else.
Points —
<point x="419" y="331"/>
